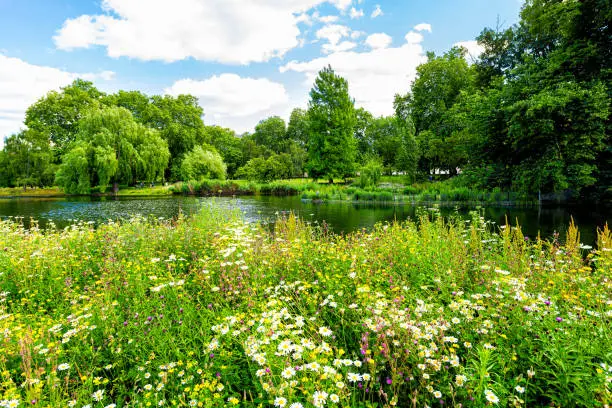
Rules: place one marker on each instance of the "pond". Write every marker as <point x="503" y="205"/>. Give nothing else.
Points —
<point x="339" y="216"/>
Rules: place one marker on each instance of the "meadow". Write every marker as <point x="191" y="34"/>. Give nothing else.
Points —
<point x="211" y="311"/>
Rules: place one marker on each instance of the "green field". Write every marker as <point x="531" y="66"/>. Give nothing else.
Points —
<point x="216" y="312"/>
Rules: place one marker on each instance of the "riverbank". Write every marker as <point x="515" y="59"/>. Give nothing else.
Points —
<point x="217" y="312"/>
<point x="48" y="192"/>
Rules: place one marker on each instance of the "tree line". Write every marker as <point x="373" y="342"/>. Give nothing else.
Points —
<point x="531" y="114"/>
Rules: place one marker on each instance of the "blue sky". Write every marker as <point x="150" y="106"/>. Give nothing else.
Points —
<point x="245" y="60"/>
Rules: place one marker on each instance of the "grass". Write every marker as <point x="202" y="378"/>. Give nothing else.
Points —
<point x="30" y="192"/>
<point x="145" y="191"/>
<point x="216" y="312"/>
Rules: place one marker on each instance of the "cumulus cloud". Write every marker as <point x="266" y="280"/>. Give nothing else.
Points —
<point x="423" y="27"/>
<point x="356" y="13"/>
<point x="374" y="76"/>
<point x="378" y="40"/>
<point x="413" y="37"/>
<point x="377" y="12"/>
<point x="226" y="31"/>
<point x="22" y="84"/>
<point x="473" y="49"/>
<point x="230" y="100"/>
<point x="333" y="33"/>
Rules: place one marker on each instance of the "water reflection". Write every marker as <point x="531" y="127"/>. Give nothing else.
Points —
<point x="341" y="217"/>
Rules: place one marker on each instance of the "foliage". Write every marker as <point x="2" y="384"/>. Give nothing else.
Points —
<point x="271" y="133"/>
<point x="275" y="167"/>
<point x="297" y="129"/>
<point x="112" y="148"/>
<point x="57" y="114"/>
<point x="331" y="120"/>
<point x="216" y="311"/>
<point x="370" y="174"/>
<point x="27" y="160"/>
<point x="203" y="163"/>
<point x="228" y="145"/>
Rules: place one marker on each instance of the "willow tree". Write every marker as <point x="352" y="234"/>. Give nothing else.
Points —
<point x="112" y="148"/>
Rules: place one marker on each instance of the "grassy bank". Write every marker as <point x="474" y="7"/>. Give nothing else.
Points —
<point x="9" y="192"/>
<point x="216" y="312"/>
<point x="30" y="192"/>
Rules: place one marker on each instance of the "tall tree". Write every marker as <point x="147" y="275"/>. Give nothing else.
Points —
<point x="179" y="122"/>
<point x="331" y="116"/>
<point x="438" y="86"/>
<point x="57" y="114"/>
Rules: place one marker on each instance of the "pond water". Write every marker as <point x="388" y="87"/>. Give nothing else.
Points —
<point x="340" y="216"/>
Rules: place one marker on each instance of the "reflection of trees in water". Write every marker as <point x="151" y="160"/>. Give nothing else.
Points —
<point x="340" y="217"/>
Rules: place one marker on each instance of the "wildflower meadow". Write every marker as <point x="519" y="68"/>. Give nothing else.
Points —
<point x="212" y="311"/>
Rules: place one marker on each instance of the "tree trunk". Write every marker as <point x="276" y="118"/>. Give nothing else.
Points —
<point x="115" y="188"/>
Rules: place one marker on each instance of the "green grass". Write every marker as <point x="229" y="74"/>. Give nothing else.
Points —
<point x="145" y="191"/>
<point x="212" y="311"/>
<point x="30" y="192"/>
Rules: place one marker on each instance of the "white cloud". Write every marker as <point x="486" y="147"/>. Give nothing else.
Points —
<point x="341" y="4"/>
<point x="333" y="33"/>
<point x="374" y="76"/>
<point x="356" y="34"/>
<point x="423" y="27"/>
<point x="340" y="47"/>
<point x="356" y="13"/>
<point x="378" y="40"/>
<point x="232" y="101"/>
<point x="377" y="12"/>
<point x="413" y="37"/>
<point x="328" y="19"/>
<point x="226" y="31"/>
<point x="473" y="49"/>
<point x="22" y="84"/>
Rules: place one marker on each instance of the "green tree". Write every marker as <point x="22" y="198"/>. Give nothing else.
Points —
<point x="57" y="114"/>
<point x="546" y="111"/>
<point x="179" y="122"/>
<point x="275" y="167"/>
<point x="271" y="133"/>
<point x="297" y="129"/>
<point x="203" y="163"/>
<point x="28" y="160"/>
<point x="112" y="148"/>
<point x="363" y="134"/>
<point x="438" y="87"/>
<point x="331" y="116"/>
<point x="228" y="145"/>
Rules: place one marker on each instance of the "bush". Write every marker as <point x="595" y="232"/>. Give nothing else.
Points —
<point x="203" y="163"/>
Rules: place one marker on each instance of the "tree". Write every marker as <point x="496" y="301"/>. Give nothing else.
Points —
<point x="179" y="122"/>
<point x="271" y="133"/>
<point x="297" y="129"/>
<point x="331" y="117"/>
<point x="544" y="111"/>
<point x="363" y="134"/>
<point x="438" y="87"/>
<point x="203" y="162"/>
<point x="112" y="148"/>
<point x="275" y="167"/>
<point x="57" y="114"/>
<point x="27" y="160"/>
<point x="228" y="145"/>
